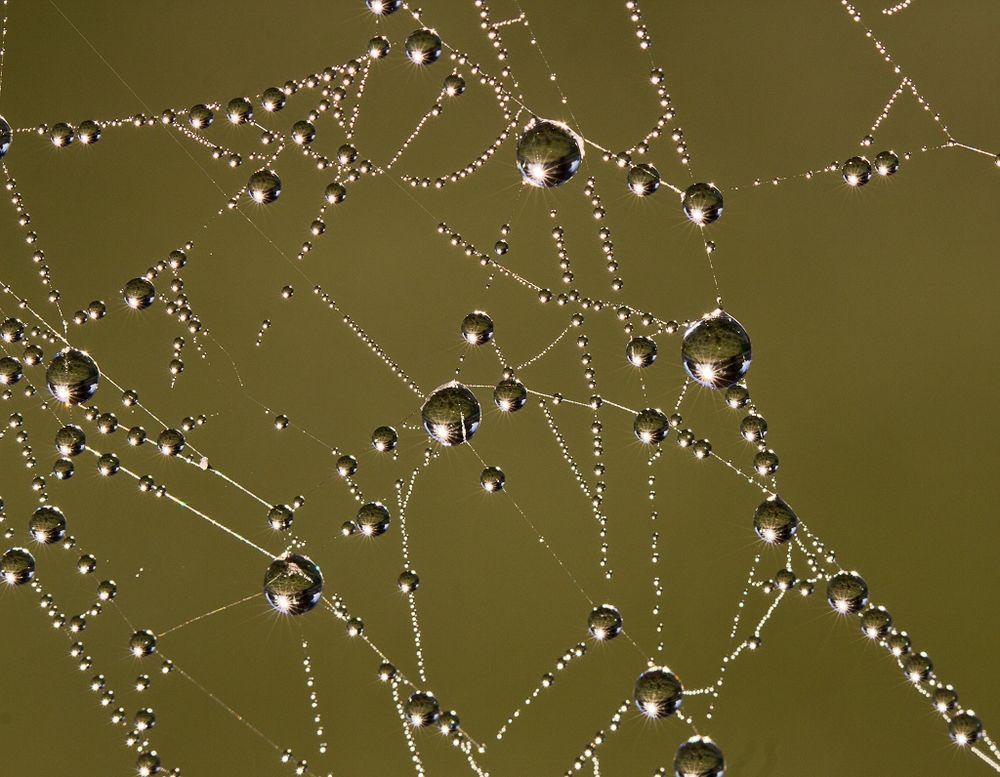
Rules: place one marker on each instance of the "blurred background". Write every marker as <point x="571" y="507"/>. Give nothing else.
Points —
<point x="871" y="310"/>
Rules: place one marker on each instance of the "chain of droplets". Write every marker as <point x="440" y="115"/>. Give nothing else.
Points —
<point x="654" y="553"/>
<point x="31" y="238"/>
<point x="604" y="233"/>
<point x="657" y="78"/>
<point x="548" y="680"/>
<point x="313" y="696"/>
<point x="900" y="6"/>
<point x="403" y="493"/>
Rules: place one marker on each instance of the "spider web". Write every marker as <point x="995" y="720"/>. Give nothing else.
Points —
<point x="188" y="564"/>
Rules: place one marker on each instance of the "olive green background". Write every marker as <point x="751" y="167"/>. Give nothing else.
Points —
<point x="872" y="314"/>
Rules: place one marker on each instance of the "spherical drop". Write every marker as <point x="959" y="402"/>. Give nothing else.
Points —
<point x="11" y="371"/>
<point x="408" y="581"/>
<point x="454" y="85"/>
<point x="273" y="99"/>
<point x="385" y="438"/>
<point x="89" y="132"/>
<point x="200" y="116"/>
<point x="63" y="469"/>
<point x="145" y="719"/>
<point x="139" y="293"/>
<point x="423" y="47"/>
<point x="917" y="667"/>
<point x="774" y="521"/>
<point x="335" y="193"/>
<point x="61" y="135"/>
<point x="346" y="466"/>
<point x="716" y="350"/>
<point x="699" y="757"/>
<point x="640" y="351"/>
<point x="239" y="110"/>
<point x="510" y="395"/>
<point x="72" y="376"/>
<point x="422" y="709"/>
<point x="17" y="566"/>
<point x="643" y="180"/>
<point x="451" y="414"/>
<point x="548" y="153"/>
<point x="965" y="728"/>
<point x="303" y="133"/>
<point x="372" y="519"/>
<point x="847" y="592"/>
<point x="12" y="330"/>
<point x="875" y="622"/>
<point x="658" y="693"/>
<point x="147" y="764"/>
<point x="378" y="47"/>
<point x="107" y="590"/>
<point x="702" y="203"/>
<point x="651" y="426"/>
<point x="142" y="643"/>
<point x="604" y="622"/>
<point x="170" y="442"/>
<point x="293" y="584"/>
<point x="857" y="171"/>
<point x="386" y="671"/>
<point x="886" y="163"/>
<point x="264" y="187"/>
<point x="477" y="328"/>
<point x="47" y="525"/>
<point x="492" y="479"/>
<point x="70" y="440"/>
<point x="280" y="517"/>
<point x="753" y="428"/>
<point x="944" y="698"/>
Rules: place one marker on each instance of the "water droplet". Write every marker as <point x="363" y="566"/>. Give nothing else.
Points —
<point x="716" y="350"/>
<point x="477" y="328"/>
<point x="604" y="622"/>
<point x="372" y="519"/>
<point x="264" y="187"/>
<point x="847" y="592"/>
<point x="651" y="426"/>
<point x="886" y="163"/>
<point x="641" y="351"/>
<point x="47" y="524"/>
<point x="139" y="293"/>
<point x="510" y="395"/>
<point x="658" y="693"/>
<point x="293" y="584"/>
<point x="142" y="643"/>
<point x="774" y="521"/>
<point x="699" y="757"/>
<point x="702" y="203"/>
<point x="451" y="414"/>
<point x="548" y="153"/>
<point x="17" y="566"/>
<point x="423" y="47"/>
<point x="72" y="376"/>
<point x="643" y="180"/>
<point x="422" y="709"/>
<point x="857" y="171"/>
